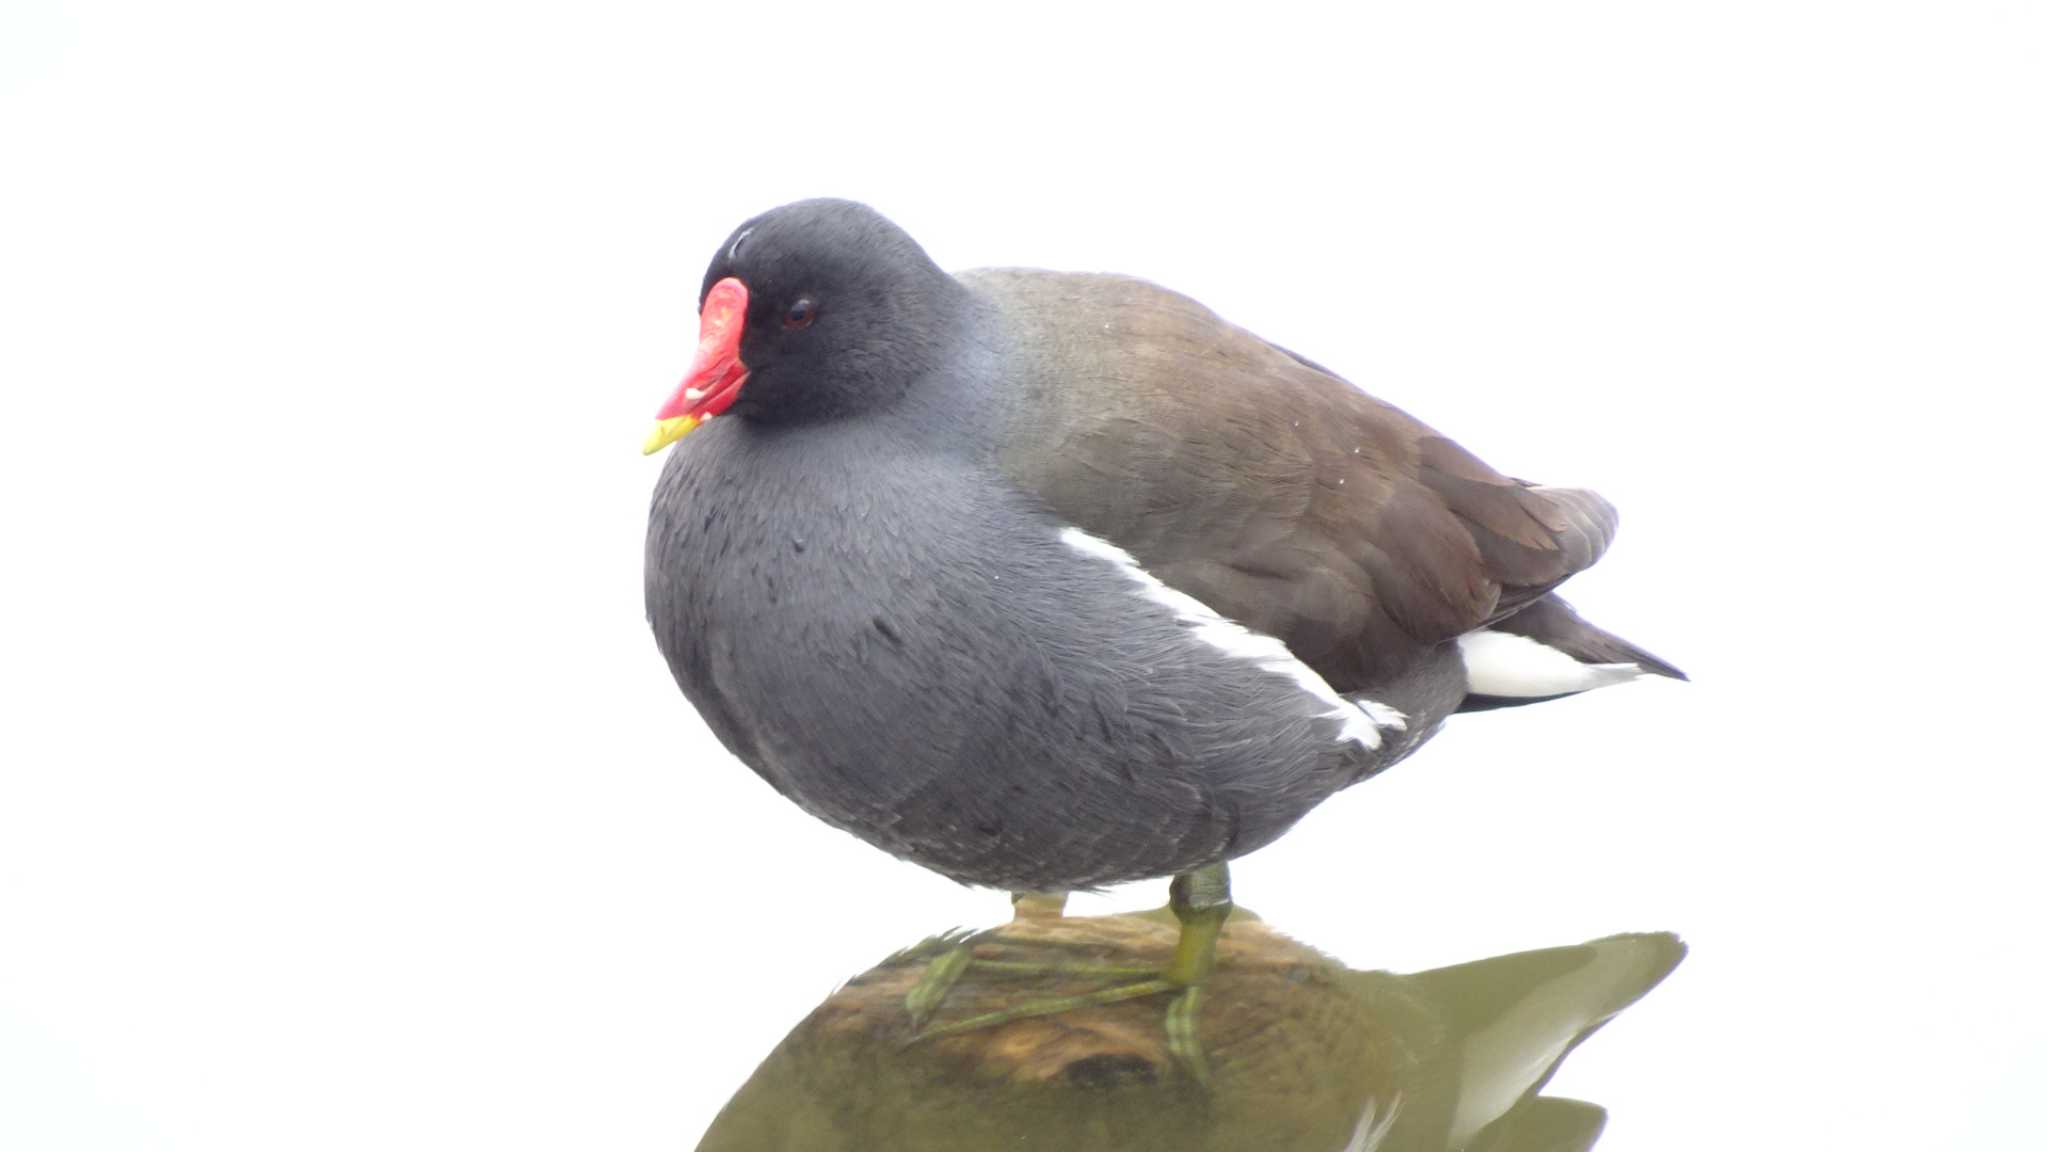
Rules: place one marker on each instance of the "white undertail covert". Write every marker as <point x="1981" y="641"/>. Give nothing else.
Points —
<point x="1504" y="664"/>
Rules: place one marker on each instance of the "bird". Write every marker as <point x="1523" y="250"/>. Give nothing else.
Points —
<point x="1050" y="581"/>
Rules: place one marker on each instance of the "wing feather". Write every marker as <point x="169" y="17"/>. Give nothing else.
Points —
<point x="1264" y="485"/>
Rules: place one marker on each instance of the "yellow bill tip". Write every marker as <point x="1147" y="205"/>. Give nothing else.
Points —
<point x="667" y="432"/>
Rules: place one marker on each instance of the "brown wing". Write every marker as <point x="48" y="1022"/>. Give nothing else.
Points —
<point x="1267" y="487"/>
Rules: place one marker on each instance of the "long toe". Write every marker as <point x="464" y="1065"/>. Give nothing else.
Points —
<point x="940" y="975"/>
<point x="1049" y="1007"/>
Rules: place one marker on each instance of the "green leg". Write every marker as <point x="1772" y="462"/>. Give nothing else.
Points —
<point x="1200" y="900"/>
<point x="1037" y="905"/>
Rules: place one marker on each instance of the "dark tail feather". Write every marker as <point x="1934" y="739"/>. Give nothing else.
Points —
<point x="1551" y="621"/>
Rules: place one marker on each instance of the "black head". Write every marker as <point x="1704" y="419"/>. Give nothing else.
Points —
<point x="844" y="312"/>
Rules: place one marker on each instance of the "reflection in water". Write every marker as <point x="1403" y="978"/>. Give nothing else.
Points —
<point x="1303" y="1052"/>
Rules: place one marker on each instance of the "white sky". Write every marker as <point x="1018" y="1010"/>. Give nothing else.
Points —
<point x="345" y="803"/>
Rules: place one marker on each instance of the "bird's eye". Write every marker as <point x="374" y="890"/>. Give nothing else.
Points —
<point x="800" y="314"/>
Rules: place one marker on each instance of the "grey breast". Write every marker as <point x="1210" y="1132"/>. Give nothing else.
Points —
<point x="916" y="653"/>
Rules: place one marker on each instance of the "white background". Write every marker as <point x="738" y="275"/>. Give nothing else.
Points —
<point x="346" y="803"/>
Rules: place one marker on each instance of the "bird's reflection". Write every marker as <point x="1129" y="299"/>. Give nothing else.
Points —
<point x="1304" y="1053"/>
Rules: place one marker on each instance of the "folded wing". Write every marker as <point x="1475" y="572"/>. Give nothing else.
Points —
<point x="1265" y="486"/>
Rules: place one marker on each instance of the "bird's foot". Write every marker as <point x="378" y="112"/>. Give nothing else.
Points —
<point x="1201" y="903"/>
<point x="930" y="991"/>
<point x="938" y="979"/>
<point x="942" y="973"/>
<point x="1183" y="1039"/>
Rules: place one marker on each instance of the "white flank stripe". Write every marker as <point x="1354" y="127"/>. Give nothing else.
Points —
<point x="1504" y="664"/>
<point x="1358" y="722"/>
<point x="1381" y="714"/>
